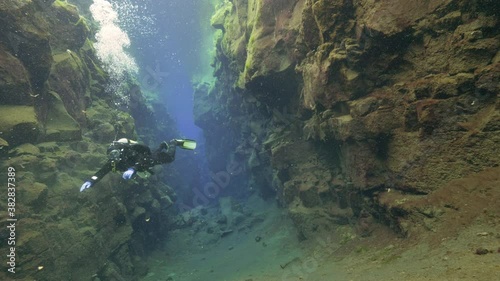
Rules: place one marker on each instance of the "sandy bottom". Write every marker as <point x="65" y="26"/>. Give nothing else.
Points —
<point x="279" y="256"/>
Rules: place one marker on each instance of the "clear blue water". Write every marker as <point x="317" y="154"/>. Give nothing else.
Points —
<point x="168" y="38"/>
<point x="171" y="39"/>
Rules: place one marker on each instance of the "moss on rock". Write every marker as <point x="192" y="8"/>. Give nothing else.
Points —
<point x="26" y="148"/>
<point x="35" y="195"/>
<point x="273" y="29"/>
<point x="59" y="125"/>
<point x="106" y="123"/>
<point x="15" y="87"/>
<point x="70" y="78"/>
<point x="68" y="29"/>
<point x="99" y="77"/>
<point x="218" y="19"/>
<point x="18" y="124"/>
<point x="25" y="34"/>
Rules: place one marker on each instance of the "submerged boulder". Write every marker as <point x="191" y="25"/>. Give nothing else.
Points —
<point x="32" y="31"/>
<point x="26" y="35"/>
<point x="15" y="87"/>
<point x="69" y="30"/>
<point x="26" y="148"/>
<point x="69" y="77"/>
<point x="59" y="125"/>
<point x="18" y="123"/>
<point x="35" y="195"/>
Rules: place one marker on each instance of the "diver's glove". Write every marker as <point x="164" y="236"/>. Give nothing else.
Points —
<point x="85" y="185"/>
<point x="128" y="174"/>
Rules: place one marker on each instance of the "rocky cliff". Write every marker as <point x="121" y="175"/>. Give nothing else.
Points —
<point x="56" y="121"/>
<point x="356" y="111"/>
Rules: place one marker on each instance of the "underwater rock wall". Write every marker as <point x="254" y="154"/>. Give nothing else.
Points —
<point x="340" y="101"/>
<point x="56" y="121"/>
<point x="46" y="42"/>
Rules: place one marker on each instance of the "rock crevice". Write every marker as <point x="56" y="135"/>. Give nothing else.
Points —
<point x="349" y="99"/>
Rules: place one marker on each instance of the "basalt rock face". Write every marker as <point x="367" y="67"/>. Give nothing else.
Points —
<point x="349" y="99"/>
<point x="44" y="42"/>
<point x="56" y="121"/>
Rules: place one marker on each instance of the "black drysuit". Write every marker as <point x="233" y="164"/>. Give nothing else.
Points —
<point x="124" y="156"/>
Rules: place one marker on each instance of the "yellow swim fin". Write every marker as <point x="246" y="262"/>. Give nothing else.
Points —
<point x="186" y="143"/>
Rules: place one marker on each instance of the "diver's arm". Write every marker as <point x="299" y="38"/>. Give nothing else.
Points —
<point x="97" y="176"/>
<point x="101" y="173"/>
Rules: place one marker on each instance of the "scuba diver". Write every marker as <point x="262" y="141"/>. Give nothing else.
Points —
<point x="130" y="157"/>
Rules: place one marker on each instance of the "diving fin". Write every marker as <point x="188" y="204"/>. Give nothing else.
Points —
<point x="186" y="143"/>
